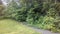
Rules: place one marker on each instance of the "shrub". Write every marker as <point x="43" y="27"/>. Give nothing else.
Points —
<point x="40" y="14"/>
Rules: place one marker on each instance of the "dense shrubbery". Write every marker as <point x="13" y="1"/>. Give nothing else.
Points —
<point x="40" y="14"/>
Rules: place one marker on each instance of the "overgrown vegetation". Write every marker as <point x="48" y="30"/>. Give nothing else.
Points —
<point x="43" y="14"/>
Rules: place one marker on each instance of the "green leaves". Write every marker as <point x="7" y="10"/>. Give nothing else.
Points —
<point x="41" y="13"/>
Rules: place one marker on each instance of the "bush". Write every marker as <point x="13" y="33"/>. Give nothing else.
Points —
<point x="40" y="14"/>
<point x="21" y="14"/>
<point x="46" y="22"/>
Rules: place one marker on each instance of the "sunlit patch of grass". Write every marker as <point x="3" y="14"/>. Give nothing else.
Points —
<point x="8" y="26"/>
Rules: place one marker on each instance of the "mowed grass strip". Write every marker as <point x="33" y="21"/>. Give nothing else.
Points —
<point x="9" y="26"/>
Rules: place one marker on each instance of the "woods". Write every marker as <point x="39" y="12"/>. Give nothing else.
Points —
<point x="43" y="14"/>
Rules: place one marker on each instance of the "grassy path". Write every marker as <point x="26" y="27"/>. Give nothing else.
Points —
<point x="8" y="26"/>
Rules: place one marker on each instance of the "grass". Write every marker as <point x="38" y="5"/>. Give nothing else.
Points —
<point x="8" y="26"/>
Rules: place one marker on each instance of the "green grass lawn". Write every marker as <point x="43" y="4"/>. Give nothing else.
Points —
<point x="8" y="26"/>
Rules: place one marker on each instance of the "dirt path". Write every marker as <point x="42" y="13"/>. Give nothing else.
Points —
<point x="40" y="30"/>
<point x="43" y="31"/>
<point x="36" y="29"/>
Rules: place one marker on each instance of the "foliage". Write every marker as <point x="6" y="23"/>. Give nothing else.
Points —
<point x="1" y="10"/>
<point x="41" y="13"/>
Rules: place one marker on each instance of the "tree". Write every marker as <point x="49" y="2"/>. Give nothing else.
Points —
<point x="1" y="8"/>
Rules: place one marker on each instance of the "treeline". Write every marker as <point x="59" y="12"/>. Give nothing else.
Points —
<point x="43" y="14"/>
